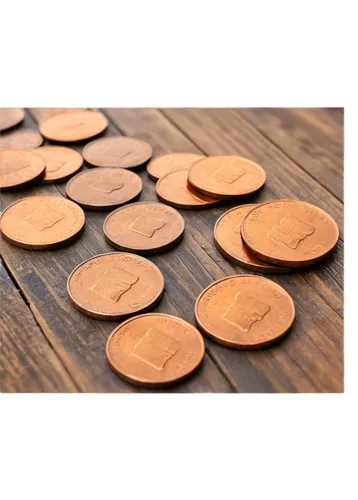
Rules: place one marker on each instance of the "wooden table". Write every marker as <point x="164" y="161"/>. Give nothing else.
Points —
<point x="48" y="346"/>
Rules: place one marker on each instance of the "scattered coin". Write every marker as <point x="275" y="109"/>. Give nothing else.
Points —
<point x="44" y="113"/>
<point x="124" y="152"/>
<point x="17" y="167"/>
<point x="163" y="165"/>
<point x="9" y="117"/>
<point x="24" y="138"/>
<point x="289" y="233"/>
<point x="244" y="311"/>
<point x="175" y="190"/>
<point x="155" y="350"/>
<point x="113" y="285"/>
<point x="227" y="239"/>
<point x="60" y="162"/>
<point x="42" y="222"/>
<point x="144" y="227"/>
<point x="71" y="127"/>
<point x="104" y="188"/>
<point x="226" y="177"/>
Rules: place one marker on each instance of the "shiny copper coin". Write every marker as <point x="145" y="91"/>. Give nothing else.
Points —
<point x="71" y="127"/>
<point x="289" y="233"/>
<point x="245" y="311"/>
<point x="226" y="177"/>
<point x="104" y="188"/>
<point x="113" y="285"/>
<point x="24" y="138"/>
<point x="124" y="152"/>
<point x="9" y="117"/>
<point x="44" y="113"/>
<point x="174" y="190"/>
<point x="42" y="222"/>
<point x="144" y="227"/>
<point x="18" y="166"/>
<point x="163" y="165"/>
<point x="155" y="350"/>
<point x="227" y="239"/>
<point x="60" y="162"/>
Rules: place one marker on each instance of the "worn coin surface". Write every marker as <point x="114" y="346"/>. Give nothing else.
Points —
<point x="60" y="162"/>
<point x="124" y="152"/>
<point x="227" y="239"/>
<point x="244" y="311"/>
<point x="113" y="285"/>
<point x="226" y="177"/>
<point x="18" y="166"/>
<point x="144" y="227"/>
<point x="175" y="190"/>
<point x="42" y="222"/>
<point x="104" y="188"/>
<point x="155" y="350"/>
<point x="289" y="232"/>
<point x="9" y="117"/>
<point x="24" y="138"/>
<point x="71" y="127"/>
<point x="171" y="162"/>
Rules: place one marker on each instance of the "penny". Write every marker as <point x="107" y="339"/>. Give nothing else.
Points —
<point x="9" y="117"/>
<point x="24" y="138"/>
<point x="44" y="113"/>
<point x="104" y="188"/>
<point x="144" y="227"/>
<point x="155" y="350"/>
<point x="227" y="239"/>
<point x="171" y="162"/>
<point x="60" y="162"/>
<point x="124" y="152"/>
<point x="42" y="222"/>
<point x="175" y="190"/>
<point x="113" y="285"/>
<point x="17" y="167"/>
<point x="226" y="177"/>
<point x="244" y="311"/>
<point x="289" y="233"/>
<point x="71" y="127"/>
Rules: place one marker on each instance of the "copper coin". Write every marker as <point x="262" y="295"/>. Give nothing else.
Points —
<point x="104" y="188"/>
<point x="155" y="350"/>
<point x="226" y="177"/>
<point x="113" y="285"/>
<point x="227" y="239"/>
<point x="245" y="311"/>
<point x="44" y="113"/>
<point x="9" y="117"/>
<point x="124" y="152"/>
<point x="19" y="166"/>
<point x="42" y="222"/>
<point x="24" y="138"/>
<point x="163" y="165"/>
<point x="289" y="233"/>
<point x="60" y="162"/>
<point x="144" y="227"/>
<point x="72" y="127"/>
<point x="175" y="190"/>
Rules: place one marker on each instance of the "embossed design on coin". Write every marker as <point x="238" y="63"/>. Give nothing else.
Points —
<point x="108" y="182"/>
<point x="156" y="348"/>
<point x="245" y="310"/>
<point x="44" y="217"/>
<point x="124" y="152"/>
<point x="24" y="138"/>
<point x="72" y="127"/>
<point x="60" y="162"/>
<point x="9" y="117"/>
<point x="163" y="165"/>
<point x="114" y="283"/>
<point x="229" y="173"/>
<point x="290" y="231"/>
<point x="146" y="225"/>
<point x="17" y="167"/>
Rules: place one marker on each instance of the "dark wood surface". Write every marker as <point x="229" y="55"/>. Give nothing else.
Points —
<point x="48" y="346"/>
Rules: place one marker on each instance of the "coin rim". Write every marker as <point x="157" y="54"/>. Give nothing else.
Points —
<point x="43" y="123"/>
<point x="140" y="382"/>
<point x="27" y="129"/>
<point x="37" y="176"/>
<point x="59" y="179"/>
<point x="117" y="137"/>
<point x="16" y="122"/>
<point x="154" y="178"/>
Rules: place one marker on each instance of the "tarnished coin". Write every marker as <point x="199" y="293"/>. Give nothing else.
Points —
<point x="289" y="233"/>
<point x="163" y="165"/>
<point x="113" y="285"/>
<point x="42" y="222"/>
<point x="145" y="227"/>
<point x="60" y="162"/>
<point x="244" y="311"/>
<point x="17" y="167"/>
<point x="9" y="117"/>
<point x="44" y="113"/>
<point x="226" y="177"/>
<point x="71" y="127"/>
<point x="104" y="188"/>
<point x="227" y="239"/>
<point x="155" y="350"/>
<point x="24" y="138"/>
<point x="124" y="152"/>
<point x="175" y="190"/>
